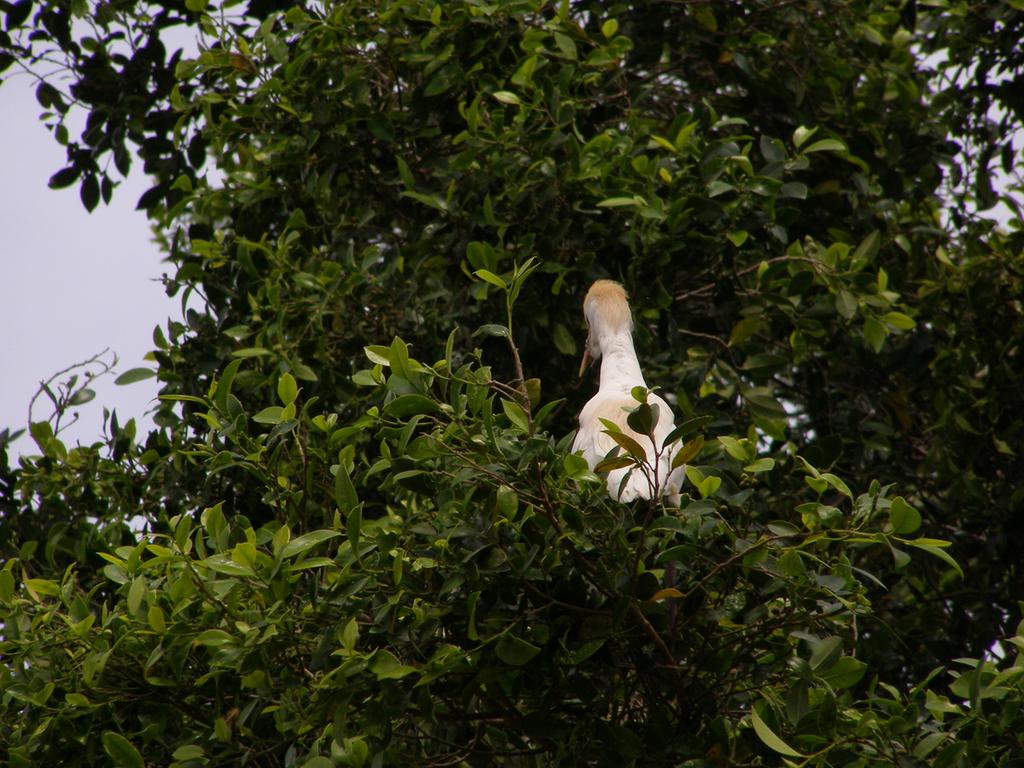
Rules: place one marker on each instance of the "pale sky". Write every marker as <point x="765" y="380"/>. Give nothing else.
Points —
<point x="71" y="283"/>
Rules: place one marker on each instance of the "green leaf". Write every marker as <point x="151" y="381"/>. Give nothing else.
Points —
<point x="621" y="202"/>
<point x="737" y="237"/>
<point x="350" y="634"/>
<point x="762" y="402"/>
<point x="870" y="34"/>
<point x="89" y="191"/>
<point x="718" y="187"/>
<point x="739" y="451"/>
<point x="344" y="491"/>
<point x="794" y="189"/>
<point x="708" y="486"/>
<point x="627" y="443"/>
<point x="493" y="329"/>
<point x="705" y="16"/>
<point x="903" y="517"/>
<point x="155" y="618"/>
<point x="783" y="528"/>
<point x="768" y="737"/>
<point x="936" y="552"/>
<point x="683" y="137"/>
<point x="82" y="396"/>
<point x="802" y="134"/>
<point x="224" y="385"/>
<point x="837" y="484"/>
<point x="665" y="594"/>
<point x="121" y="751"/>
<point x="524" y="74"/>
<point x="378" y="354"/>
<point x="471" y="602"/>
<point x="516" y="415"/>
<point x="900" y="558"/>
<point x="270" y="415"/>
<point x="566" y="46"/>
<point x="65" y="177"/>
<point x="688" y="452"/>
<point x="825" y="652"/>
<point x="432" y="201"/>
<point x="398" y="353"/>
<point x="251" y="352"/>
<point x="614" y="462"/>
<point x="507" y="97"/>
<point x="609" y="28"/>
<point x="188" y="752"/>
<point x="309" y="563"/>
<point x="386" y="666"/>
<point x="307" y="541"/>
<point x="287" y="389"/>
<point x="222" y="563"/>
<point x="875" y="333"/>
<point x="404" y="173"/>
<point x="845" y="672"/>
<point x="43" y="587"/>
<point x="508" y="501"/>
<point x="764" y="362"/>
<point x="6" y="586"/>
<point x="404" y="406"/>
<point x="564" y="341"/>
<point x="772" y="150"/>
<point x="687" y="427"/>
<point x="584" y="652"/>
<point x="928" y="744"/>
<point x="214" y="638"/>
<point x="643" y="418"/>
<point x="868" y="247"/>
<point x="744" y="329"/>
<point x="133" y="375"/>
<point x="514" y="650"/>
<point x="489" y="277"/>
<point x="353" y="526"/>
<point x="826" y="145"/>
<point x="136" y="594"/>
<point x="183" y="399"/>
<point x="1002" y="446"/>
<point x="899" y="321"/>
<point x="846" y="304"/>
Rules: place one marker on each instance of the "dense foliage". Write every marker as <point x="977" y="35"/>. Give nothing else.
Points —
<point x="356" y="535"/>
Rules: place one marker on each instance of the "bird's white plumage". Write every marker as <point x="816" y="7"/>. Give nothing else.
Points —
<point x="610" y="339"/>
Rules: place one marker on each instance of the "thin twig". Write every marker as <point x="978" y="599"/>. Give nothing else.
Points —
<point x="61" y="403"/>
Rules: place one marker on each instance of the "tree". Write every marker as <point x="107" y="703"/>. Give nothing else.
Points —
<point x="363" y="540"/>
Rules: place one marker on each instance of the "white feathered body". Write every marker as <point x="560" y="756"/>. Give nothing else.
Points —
<point x="611" y="340"/>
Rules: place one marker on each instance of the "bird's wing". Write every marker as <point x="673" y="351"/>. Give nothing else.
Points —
<point x="629" y="483"/>
<point x="672" y="479"/>
<point x="591" y="437"/>
<point x="666" y="421"/>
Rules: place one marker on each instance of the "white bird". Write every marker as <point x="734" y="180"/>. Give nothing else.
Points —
<point x="610" y="338"/>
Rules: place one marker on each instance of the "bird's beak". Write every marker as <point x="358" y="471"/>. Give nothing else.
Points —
<point x="586" y="356"/>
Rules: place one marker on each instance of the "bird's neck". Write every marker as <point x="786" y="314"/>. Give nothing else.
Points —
<point x="620" y="370"/>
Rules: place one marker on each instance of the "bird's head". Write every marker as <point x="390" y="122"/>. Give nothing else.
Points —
<point x="607" y="312"/>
